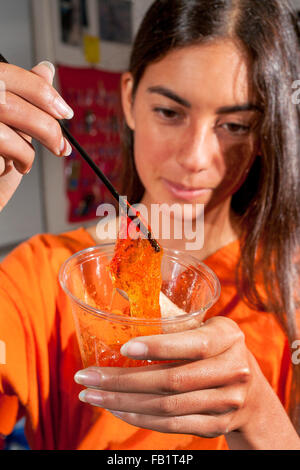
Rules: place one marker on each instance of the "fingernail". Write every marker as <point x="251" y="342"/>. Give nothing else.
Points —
<point x="88" y="378"/>
<point x="68" y="149"/>
<point x="134" y="349"/>
<point x="65" y="148"/>
<point x="91" y="397"/>
<point x="27" y="171"/>
<point x="63" y="108"/>
<point x="49" y="65"/>
<point x="62" y="146"/>
<point x="81" y="396"/>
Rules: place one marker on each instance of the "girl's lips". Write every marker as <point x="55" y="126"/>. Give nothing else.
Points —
<point x="183" y="192"/>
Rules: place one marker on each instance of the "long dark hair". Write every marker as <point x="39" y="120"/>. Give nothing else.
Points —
<point x="268" y="203"/>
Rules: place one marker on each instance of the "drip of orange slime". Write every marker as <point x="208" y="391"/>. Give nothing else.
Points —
<point x="136" y="269"/>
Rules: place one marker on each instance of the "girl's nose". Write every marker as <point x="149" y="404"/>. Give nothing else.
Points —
<point x="198" y="149"/>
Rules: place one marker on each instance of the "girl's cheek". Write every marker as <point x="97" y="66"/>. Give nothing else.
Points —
<point x="149" y="151"/>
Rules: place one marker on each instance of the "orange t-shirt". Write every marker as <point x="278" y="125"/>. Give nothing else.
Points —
<point x="42" y="355"/>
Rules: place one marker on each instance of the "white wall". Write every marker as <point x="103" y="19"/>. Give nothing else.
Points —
<point x="296" y="4"/>
<point x="113" y="57"/>
<point x="22" y="217"/>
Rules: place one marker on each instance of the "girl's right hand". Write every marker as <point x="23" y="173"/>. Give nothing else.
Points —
<point x="29" y="108"/>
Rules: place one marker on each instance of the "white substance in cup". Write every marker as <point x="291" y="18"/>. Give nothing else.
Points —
<point x="168" y="308"/>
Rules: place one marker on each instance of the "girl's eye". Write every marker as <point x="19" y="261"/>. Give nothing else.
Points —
<point x="167" y="113"/>
<point x="236" y="129"/>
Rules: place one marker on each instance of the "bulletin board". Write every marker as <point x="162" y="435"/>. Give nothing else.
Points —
<point x="74" y="34"/>
<point x="85" y="31"/>
<point x="94" y="96"/>
<point x="103" y="29"/>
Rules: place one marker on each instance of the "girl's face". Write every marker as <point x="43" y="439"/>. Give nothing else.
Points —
<point x="193" y="119"/>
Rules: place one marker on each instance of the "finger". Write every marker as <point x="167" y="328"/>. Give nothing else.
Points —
<point x="198" y="425"/>
<point x="46" y="70"/>
<point x="16" y="148"/>
<point x="225" y="369"/>
<point x="34" y="89"/>
<point x="23" y="135"/>
<point x="8" y="166"/>
<point x="216" y="336"/>
<point x="28" y="139"/>
<point x="19" y="114"/>
<point x="2" y="165"/>
<point x="9" y="183"/>
<point x="209" y="402"/>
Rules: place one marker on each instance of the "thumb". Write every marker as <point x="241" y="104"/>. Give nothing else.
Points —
<point x="46" y="70"/>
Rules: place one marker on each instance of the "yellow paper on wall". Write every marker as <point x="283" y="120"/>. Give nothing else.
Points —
<point x="91" y="49"/>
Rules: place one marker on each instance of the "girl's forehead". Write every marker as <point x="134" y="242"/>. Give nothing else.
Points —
<point x="218" y="69"/>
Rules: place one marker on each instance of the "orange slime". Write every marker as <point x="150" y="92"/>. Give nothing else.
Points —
<point x="136" y="269"/>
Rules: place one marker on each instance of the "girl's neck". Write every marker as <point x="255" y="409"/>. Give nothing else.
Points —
<point x="217" y="228"/>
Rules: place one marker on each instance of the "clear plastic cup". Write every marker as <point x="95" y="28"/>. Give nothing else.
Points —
<point x="102" y="320"/>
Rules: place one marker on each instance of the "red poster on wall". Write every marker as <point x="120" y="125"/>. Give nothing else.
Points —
<point x="94" y="95"/>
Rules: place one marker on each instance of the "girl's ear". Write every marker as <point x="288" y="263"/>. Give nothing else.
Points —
<point x="127" y="100"/>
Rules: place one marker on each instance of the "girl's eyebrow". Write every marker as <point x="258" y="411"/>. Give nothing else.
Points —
<point x="238" y="108"/>
<point x="161" y="90"/>
<point x="169" y="94"/>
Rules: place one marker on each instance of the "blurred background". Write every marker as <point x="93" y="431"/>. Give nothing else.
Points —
<point x="89" y="42"/>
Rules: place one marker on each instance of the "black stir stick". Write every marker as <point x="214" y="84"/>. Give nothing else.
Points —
<point x="125" y="205"/>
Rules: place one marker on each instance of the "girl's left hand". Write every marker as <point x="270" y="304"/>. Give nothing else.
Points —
<point x="216" y="389"/>
<point x="208" y="394"/>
